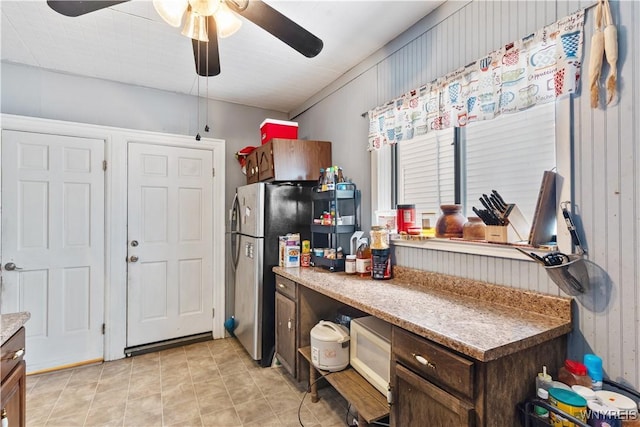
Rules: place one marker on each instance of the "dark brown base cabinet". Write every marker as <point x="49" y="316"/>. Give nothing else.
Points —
<point x="286" y="350"/>
<point x="13" y="388"/>
<point x="435" y="386"/>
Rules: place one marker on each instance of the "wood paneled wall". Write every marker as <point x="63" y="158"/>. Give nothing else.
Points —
<point x="606" y="159"/>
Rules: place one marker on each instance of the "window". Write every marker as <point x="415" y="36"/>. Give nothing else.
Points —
<point x="508" y="154"/>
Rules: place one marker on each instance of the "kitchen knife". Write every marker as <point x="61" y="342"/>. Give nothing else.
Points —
<point x="533" y="256"/>
<point x="492" y="211"/>
<point x="483" y="215"/>
<point x="499" y="197"/>
<point x="571" y="226"/>
<point x="497" y="203"/>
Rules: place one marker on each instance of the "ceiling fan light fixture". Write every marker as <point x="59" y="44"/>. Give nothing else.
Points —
<point x="171" y="10"/>
<point x="196" y="27"/>
<point x="204" y="7"/>
<point x="227" y="22"/>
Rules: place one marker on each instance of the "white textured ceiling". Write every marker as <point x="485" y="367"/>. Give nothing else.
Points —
<point x="130" y="43"/>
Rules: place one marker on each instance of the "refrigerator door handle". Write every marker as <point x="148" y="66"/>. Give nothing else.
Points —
<point x="235" y="236"/>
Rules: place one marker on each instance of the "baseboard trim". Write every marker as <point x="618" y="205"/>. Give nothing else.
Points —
<point x="164" y="345"/>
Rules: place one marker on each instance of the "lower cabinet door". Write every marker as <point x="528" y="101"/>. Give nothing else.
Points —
<point x="13" y="396"/>
<point x="286" y="333"/>
<point x="417" y="402"/>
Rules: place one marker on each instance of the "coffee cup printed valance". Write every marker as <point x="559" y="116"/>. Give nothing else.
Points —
<point x="536" y="69"/>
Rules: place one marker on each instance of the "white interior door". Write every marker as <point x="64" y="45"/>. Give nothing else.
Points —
<point x="170" y="242"/>
<point x="53" y="244"/>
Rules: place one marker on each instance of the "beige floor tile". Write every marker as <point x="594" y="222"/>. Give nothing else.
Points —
<point x="109" y="398"/>
<point x="193" y="422"/>
<point x="71" y="417"/>
<point x="112" y="415"/>
<point x="144" y="385"/>
<point x="180" y="411"/>
<point x="254" y="410"/>
<point x="214" y="402"/>
<point x="224" y="418"/>
<point x="242" y="394"/>
<point x="273" y="422"/>
<point x="116" y="368"/>
<point x="290" y="417"/>
<point x="211" y="386"/>
<point x="84" y="375"/>
<point x="145" y="411"/>
<point x="283" y="401"/>
<point x="178" y="393"/>
<point x="213" y="383"/>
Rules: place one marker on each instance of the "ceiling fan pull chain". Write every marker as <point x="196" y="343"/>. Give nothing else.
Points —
<point x="198" y="99"/>
<point x="206" y="97"/>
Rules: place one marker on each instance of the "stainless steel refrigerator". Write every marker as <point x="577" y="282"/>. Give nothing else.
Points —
<point x="261" y="212"/>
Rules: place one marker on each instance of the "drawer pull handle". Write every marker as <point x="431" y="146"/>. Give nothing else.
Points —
<point x="289" y="324"/>
<point x="17" y="354"/>
<point x="421" y="360"/>
<point x="281" y="285"/>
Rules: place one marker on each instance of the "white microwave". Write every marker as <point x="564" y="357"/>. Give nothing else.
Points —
<point x="370" y="350"/>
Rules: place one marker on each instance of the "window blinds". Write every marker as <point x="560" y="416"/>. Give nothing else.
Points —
<point x="509" y="154"/>
<point x="425" y="170"/>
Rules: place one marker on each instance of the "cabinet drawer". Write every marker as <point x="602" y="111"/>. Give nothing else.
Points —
<point x="433" y="362"/>
<point x="286" y="287"/>
<point x="11" y="353"/>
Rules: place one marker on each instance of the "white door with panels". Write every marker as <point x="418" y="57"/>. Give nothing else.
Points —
<point x="170" y="242"/>
<point x="53" y="256"/>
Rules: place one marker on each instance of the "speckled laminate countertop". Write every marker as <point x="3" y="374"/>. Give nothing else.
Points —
<point x="478" y="319"/>
<point x="10" y="323"/>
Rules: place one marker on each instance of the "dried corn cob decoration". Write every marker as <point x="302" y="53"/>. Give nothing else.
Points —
<point x="595" y="57"/>
<point x="611" y="52"/>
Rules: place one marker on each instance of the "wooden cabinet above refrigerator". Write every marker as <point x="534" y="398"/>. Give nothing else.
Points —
<point x="288" y="160"/>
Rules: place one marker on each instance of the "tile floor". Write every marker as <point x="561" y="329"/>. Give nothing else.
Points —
<point x="213" y="383"/>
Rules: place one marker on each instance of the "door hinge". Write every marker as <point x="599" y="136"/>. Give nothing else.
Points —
<point x="104" y="328"/>
<point x="104" y="165"/>
<point x="213" y="172"/>
<point x="213" y="313"/>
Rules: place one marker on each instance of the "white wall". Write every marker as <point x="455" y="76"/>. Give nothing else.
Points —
<point x="605" y="155"/>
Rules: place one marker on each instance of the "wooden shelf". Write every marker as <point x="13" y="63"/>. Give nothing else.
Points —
<point x="366" y="399"/>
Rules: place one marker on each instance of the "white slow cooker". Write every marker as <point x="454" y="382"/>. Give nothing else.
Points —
<point x="329" y="346"/>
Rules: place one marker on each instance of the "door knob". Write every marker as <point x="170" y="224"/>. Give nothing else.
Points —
<point x="133" y="258"/>
<point x="11" y="266"/>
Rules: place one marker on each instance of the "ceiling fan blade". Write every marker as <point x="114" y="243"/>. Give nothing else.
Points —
<point x="278" y="25"/>
<point x="206" y="54"/>
<point x="77" y="8"/>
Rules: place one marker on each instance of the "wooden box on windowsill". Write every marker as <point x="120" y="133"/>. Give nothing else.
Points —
<point x="497" y="233"/>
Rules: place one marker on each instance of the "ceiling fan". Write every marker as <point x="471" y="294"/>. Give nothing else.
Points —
<point x="206" y="20"/>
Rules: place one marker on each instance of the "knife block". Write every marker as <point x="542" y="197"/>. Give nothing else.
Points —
<point x="497" y="233"/>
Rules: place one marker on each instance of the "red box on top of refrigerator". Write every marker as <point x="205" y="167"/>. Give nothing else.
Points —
<point x="272" y="128"/>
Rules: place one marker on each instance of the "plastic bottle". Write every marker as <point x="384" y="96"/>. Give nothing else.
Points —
<point x="574" y="373"/>
<point x="321" y="179"/>
<point x="340" y="175"/>
<point x="544" y="380"/>
<point x="539" y="410"/>
<point x="363" y="258"/>
<point x="594" y="370"/>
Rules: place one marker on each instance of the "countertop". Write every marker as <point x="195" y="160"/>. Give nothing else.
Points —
<point x="10" y="323"/>
<point x="478" y="319"/>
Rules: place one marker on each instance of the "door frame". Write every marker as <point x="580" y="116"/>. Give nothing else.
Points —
<point x="116" y="142"/>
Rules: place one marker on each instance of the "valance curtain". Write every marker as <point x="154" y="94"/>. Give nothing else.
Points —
<point x="536" y="69"/>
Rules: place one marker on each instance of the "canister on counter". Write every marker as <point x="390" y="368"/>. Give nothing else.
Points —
<point x="380" y="253"/>
<point x="406" y="217"/>
<point x="567" y="401"/>
<point x="306" y="246"/>
<point x="305" y="259"/>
